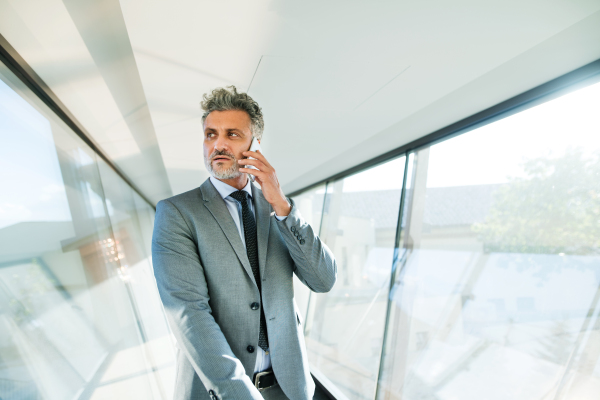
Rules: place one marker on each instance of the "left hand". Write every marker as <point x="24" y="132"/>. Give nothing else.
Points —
<point x="266" y="177"/>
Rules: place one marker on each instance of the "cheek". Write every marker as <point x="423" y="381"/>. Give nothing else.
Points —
<point x="208" y="149"/>
<point x="237" y="152"/>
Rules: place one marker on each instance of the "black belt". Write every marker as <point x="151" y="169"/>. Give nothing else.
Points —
<point x="264" y="380"/>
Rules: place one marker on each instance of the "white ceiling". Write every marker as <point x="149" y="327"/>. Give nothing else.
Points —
<point x="340" y="82"/>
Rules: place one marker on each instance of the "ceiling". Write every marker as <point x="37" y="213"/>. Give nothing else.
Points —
<point x="340" y="82"/>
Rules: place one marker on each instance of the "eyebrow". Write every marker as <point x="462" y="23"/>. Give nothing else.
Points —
<point x="235" y="130"/>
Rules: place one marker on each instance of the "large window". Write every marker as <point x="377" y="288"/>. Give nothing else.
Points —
<point x="496" y="290"/>
<point x="499" y="295"/>
<point x="345" y="327"/>
<point x="79" y="313"/>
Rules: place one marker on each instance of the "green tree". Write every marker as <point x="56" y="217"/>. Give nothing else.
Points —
<point x="554" y="208"/>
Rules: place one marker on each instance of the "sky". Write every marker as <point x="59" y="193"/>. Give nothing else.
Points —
<point x="494" y="152"/>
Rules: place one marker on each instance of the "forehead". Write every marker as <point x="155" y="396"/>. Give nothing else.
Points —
<point x="230" y="119"/>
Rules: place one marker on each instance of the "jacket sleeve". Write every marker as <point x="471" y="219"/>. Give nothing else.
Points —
<point x="184" y="294"/>
<point x="315" y="265"/>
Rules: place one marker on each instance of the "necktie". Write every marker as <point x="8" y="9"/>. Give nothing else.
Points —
<point x="252" y="250"/>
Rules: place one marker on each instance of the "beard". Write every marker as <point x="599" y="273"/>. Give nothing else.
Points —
<point x="221" y="172"/>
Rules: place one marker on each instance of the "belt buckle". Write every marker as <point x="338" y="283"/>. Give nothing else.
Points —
<point x="264" y="380"/>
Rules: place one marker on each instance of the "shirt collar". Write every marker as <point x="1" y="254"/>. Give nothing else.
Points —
<point x="225" y="190"/>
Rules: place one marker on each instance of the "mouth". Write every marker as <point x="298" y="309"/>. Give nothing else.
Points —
<point x="221" y="158"/>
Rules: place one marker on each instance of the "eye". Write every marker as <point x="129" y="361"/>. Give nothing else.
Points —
<point x="233" y="134"/>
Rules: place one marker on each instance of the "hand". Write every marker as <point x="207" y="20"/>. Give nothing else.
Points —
<point x="267" y="178"/>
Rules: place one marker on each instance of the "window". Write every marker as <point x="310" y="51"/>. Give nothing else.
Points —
<point x="498" y="293"/>
<point x="344" y="331"/>
<point x="80" y="313"/>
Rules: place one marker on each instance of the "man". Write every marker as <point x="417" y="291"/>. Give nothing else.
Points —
<point x="224" y="255"/>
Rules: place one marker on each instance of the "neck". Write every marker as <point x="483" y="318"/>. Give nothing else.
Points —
<point x="239" y="182"/>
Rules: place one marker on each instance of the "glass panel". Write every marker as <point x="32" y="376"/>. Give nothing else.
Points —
<point x="132" y="231"/>
<point x="67" y="327"/>
<point x="498" y="297"/>
<point x="359" y="225"/>
<point x="310" y="205"/>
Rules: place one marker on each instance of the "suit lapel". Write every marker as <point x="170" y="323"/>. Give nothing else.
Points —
<point x="262" y="210"/>
<point x="216" y="205"/>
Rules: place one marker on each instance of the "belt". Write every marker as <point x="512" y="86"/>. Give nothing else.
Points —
<point x="264" y="380"/>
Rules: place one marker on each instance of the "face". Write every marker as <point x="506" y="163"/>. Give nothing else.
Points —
<point x="226" y="135"/>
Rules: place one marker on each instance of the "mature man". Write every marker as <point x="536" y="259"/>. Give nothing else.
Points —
<point x="224" y="255"/>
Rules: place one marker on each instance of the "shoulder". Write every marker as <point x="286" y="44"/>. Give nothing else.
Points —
<point x="179" y="210"/>
<point x="184" y="200"/>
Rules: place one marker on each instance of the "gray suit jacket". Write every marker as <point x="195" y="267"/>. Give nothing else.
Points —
<point x="206" y="285"/>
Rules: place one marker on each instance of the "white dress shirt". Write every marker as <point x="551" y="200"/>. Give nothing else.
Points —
<point x="263" y="360"/>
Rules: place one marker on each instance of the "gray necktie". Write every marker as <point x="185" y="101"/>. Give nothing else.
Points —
<point x="252" y="250"/>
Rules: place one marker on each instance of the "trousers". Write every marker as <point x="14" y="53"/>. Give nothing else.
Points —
<point x="274" y="393"/>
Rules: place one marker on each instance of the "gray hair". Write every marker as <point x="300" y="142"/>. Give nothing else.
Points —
<point x="224" y="99"/>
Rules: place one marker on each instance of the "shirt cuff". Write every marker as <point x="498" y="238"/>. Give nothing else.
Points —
<point x="280" y="218"/>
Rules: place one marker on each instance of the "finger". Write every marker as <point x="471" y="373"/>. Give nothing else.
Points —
<point x="257" y="163"/>
<point x="257" y="173"/>
<point x="258" y="155"/>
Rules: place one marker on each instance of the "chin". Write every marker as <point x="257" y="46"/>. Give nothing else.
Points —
<point x="225" y="173"/>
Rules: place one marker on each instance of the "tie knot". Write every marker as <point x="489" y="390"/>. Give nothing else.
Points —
<point x="240" y="195"/>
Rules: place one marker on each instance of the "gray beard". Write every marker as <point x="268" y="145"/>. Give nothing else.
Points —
<point x="229" y="173"/>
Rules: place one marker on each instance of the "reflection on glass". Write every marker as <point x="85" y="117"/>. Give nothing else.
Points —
<point x="128" y="217"/>
<point x="498" y="297"/>
<point x="310" y="205"/>
<point x="69" y="326"/>
<point x="359" y="225"/>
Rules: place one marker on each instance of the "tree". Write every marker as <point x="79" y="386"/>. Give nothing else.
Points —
<point x="553" y="209"/>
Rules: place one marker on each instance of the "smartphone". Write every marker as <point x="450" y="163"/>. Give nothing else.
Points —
<point x="253" y="147"/>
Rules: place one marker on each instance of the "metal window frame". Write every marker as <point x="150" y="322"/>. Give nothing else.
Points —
<point x="18" y="66"/>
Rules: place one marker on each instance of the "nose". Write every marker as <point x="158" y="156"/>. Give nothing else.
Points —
<point x="221" y="143"/>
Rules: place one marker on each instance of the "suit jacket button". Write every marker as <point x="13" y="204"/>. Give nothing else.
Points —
<point x="250" y="349"/>
<point x="293" y="229"/>
<point x="254" y="306"/>
<point x="211" y="392"/>
<point x="299" y="237"/>
<point x="302" y="241"/>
